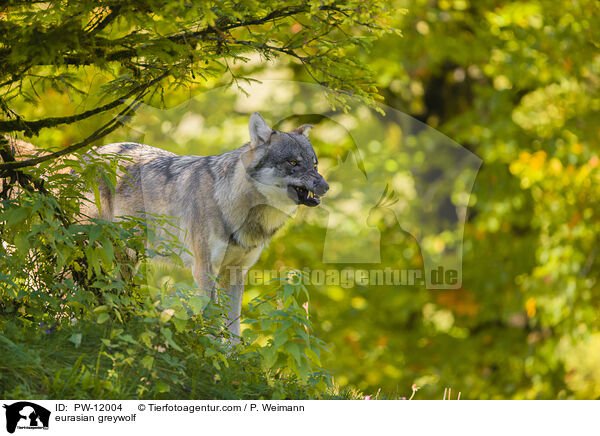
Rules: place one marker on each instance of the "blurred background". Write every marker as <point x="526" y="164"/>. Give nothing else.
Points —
<point x="491" y="105"/>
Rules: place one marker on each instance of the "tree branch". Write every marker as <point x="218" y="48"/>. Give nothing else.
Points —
<point x="33" y="127"/>
<point x="102" y="23"/>
<point x="98" y="134"/>
<point x="186" y="37"/>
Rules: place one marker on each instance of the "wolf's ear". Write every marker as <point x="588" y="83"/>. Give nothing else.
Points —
<point x="303" y="129"/>
<point x="259" y="131"/>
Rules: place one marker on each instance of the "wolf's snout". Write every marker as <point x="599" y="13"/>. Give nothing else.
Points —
<point x="321" y="187"/>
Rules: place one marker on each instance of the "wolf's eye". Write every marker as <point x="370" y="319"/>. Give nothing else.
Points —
<point x="293" y="163"/>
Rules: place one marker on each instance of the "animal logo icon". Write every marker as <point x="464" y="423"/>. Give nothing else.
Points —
<point x="26" y="415"/>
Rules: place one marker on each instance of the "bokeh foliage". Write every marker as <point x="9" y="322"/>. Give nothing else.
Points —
<point x="516" y="83"/>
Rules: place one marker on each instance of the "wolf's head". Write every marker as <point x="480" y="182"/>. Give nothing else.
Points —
<point x="284" y="165"/>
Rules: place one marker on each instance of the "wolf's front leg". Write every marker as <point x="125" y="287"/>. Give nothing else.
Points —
<point x="234" y="311"/>
<point x="204" y="278"/>
<point x="233" y="279"/>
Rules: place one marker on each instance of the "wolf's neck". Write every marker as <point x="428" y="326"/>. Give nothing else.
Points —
<point x="251" y="219"/>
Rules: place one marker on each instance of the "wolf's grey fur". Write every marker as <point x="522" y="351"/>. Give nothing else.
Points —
<point x="228" y="206"/>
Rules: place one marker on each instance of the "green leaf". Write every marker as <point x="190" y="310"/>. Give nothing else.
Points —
<point x="76" y="339"/>
<point x="146" y="339"/>
<point x="280" y="337"/>
<point x="180" y="324"/>
<point x="197" y="304"/>
<point x="181" y="314"/>
<point x="108" y="251"/>
<point x="94" y="233"/>
<point x="294" y="349"/>
<point x="168" y="334"/>
<point x="108" y="181"/>
<point x="312" y="356"/>
<point x="128" y="338"/>
<point x="166" y="315"/>
<point x="288" y="291"/>
<point x="269" y="357"/>
<point x="147" y="362"/>
<point x="162" y="386"/>
<point x="22" y="243"/>
<point x="16" y="215"/>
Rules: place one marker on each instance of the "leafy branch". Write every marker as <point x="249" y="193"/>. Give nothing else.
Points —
<point x="107" y="128"/>
<point x="82" y="38"/>
<point x="33" y="127"/>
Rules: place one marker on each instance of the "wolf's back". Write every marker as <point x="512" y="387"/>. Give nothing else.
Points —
<point x="135" y="153"/>
<point x="150" y="180"/>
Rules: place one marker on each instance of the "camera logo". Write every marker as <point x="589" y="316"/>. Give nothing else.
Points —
<point x="26" y="415"/>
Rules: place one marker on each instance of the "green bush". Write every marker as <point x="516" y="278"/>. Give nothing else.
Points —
<point x="76" y="323"/>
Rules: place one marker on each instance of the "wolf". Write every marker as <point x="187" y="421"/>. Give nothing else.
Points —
<point x="227" y="206"/>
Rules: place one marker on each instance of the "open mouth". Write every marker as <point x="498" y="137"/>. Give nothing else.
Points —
<point x="304" y="196"/>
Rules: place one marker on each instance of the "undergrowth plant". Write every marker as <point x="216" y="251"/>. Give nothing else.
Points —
<point x="79" y="320"/>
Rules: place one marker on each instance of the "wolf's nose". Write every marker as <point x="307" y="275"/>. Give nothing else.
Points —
<point x="322" y="188"/>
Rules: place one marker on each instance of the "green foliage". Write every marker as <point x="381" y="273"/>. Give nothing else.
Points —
<point x="517" y="84"/>
<point x="77" y="320"/>
<point x="135" y="47"/>
<point x="114" y="334"/>
<point x="286" y="323"/>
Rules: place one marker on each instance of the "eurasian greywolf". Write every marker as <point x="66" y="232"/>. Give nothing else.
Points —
<point x="228" y="206"/>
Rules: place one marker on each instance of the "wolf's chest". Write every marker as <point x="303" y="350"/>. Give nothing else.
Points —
<point x="260" y="225"/>
<point x="225" y="254"/>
